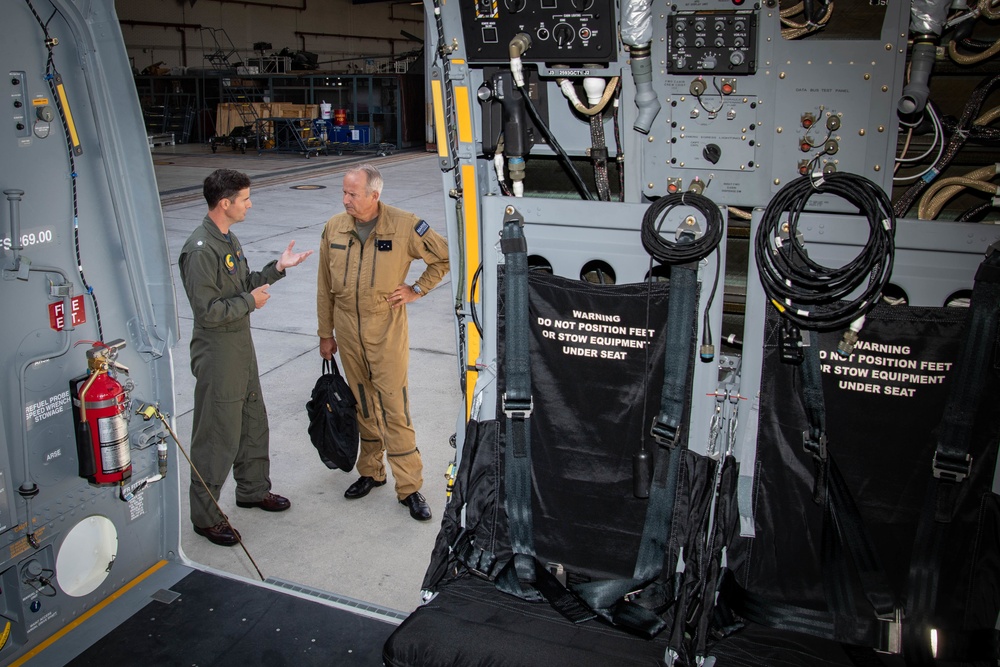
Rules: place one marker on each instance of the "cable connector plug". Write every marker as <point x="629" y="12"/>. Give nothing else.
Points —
<point x="707" y="349"/>
<point x="520" y="43"/>
<point x="850" y="338"/>
<point x="569" y="92"/>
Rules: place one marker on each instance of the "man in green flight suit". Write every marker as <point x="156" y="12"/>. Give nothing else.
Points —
<point x="230" y="430"/>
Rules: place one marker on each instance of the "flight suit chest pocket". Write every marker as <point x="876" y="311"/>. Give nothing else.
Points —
<point x="339" y="261"/>
<point x="385" y="262"/>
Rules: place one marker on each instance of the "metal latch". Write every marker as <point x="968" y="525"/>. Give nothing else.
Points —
<point x="952" y="469"/>
<point x="518" y="409"/>
<point x="891" y="632"/>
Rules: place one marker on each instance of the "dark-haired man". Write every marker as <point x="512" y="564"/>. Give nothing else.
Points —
<point x="230" y="430"/>
<point x="365" y="254"/>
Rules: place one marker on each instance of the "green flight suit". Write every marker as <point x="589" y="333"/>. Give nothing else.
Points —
<point x="354" y="282"/>
<point x="230" y="429"/>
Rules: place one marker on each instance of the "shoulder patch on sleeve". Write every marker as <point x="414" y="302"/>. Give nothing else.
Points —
<point x="422" y="228"/>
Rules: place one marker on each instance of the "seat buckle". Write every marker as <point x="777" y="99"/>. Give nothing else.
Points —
<point x="664" y="434"/>
<point x="891" y="632"/>
<point x="518" y="409"/>
<point x="951" y="468"/>
<point x="815" y="446"/>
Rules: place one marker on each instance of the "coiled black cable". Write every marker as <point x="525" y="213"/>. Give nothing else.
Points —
<point x="809" y="294"/>
<point x="688" y="247"/>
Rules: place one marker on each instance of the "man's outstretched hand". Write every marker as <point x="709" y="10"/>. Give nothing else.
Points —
<point x="291" y="258"/>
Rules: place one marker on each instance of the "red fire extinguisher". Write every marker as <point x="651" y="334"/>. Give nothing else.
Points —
<point x="101" y="403"/>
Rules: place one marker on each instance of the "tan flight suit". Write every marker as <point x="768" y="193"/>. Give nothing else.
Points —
<point x="354" y="281"/>
<point x="230" y="430"/>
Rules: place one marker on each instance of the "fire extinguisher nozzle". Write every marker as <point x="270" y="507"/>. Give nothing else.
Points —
<point x="147" y="411"/>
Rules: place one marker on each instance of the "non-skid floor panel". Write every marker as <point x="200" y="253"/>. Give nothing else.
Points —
<point x="227" y="623"/>
<point x="471" y="624"/>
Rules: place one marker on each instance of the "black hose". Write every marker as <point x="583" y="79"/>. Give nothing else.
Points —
<point x="567" y="163"/>
<point x="975" y="45"/>
<point x="472" y="299"/>
<point x="976" y="213"/>
<point x="978" y="134"/>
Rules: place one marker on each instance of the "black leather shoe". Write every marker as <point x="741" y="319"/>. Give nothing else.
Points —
<point x="272" y="502"/>
<point x="419" y="509"/>
<point x="221" y="533"/>
<point x="362" y="487"/>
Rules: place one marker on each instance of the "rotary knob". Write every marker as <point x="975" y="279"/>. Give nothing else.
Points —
<point x="563" y="34"/>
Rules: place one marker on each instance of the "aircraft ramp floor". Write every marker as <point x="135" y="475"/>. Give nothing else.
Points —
<point x="207" y="619"/>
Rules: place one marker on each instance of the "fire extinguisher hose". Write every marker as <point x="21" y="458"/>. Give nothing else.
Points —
<point x="151" y="411"/>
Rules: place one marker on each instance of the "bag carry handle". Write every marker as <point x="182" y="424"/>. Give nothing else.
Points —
<point x="327" y="364"/>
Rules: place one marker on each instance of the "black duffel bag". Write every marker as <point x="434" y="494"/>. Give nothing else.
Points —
<point x="333" y="420"/>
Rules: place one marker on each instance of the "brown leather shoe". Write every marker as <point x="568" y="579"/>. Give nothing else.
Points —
<point x="221" y="533"/>
<point x="272" y="502"/>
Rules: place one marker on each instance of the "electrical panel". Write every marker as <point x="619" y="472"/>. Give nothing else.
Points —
<point x="19" y="106"/>
<point x="748" y="109"/>
<point x="716" y="42"/>
<point x="561" y="31"/>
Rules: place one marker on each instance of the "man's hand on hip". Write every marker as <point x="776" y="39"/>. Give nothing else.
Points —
<point x="402" y="295"/>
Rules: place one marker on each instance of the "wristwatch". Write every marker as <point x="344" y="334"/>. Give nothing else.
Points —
<point x="417" y="289"/>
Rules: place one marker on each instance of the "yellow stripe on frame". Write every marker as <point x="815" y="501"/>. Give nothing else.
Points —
<point x="79" y="621"/>
<point x="462" y="111"/>
<point x="470" y="206"/>
<point x="440" y="129"/>
<point x="68" y="115"/>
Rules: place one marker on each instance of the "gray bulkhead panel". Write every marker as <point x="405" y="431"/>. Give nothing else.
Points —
<point x="84" y="259"/>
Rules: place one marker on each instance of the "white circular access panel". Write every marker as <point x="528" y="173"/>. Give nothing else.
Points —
<point x="86" y="555"/>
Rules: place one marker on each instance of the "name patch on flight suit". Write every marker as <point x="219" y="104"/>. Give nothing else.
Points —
<point x="422" y="228"/>
<point x="230" y="263"/>
<point x="384" y="245"/>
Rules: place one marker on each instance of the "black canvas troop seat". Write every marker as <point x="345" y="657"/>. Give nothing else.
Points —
<point x="575" y="535"/>
<point x="875" y="526"/>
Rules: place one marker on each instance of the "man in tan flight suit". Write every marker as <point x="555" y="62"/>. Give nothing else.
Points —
<point x="365" y="254"/>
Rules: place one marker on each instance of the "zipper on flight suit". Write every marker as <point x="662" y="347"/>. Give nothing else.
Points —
<point x="347" y="263"/>
<point x="357" y="306"/>
<point x="374" y="259"/>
